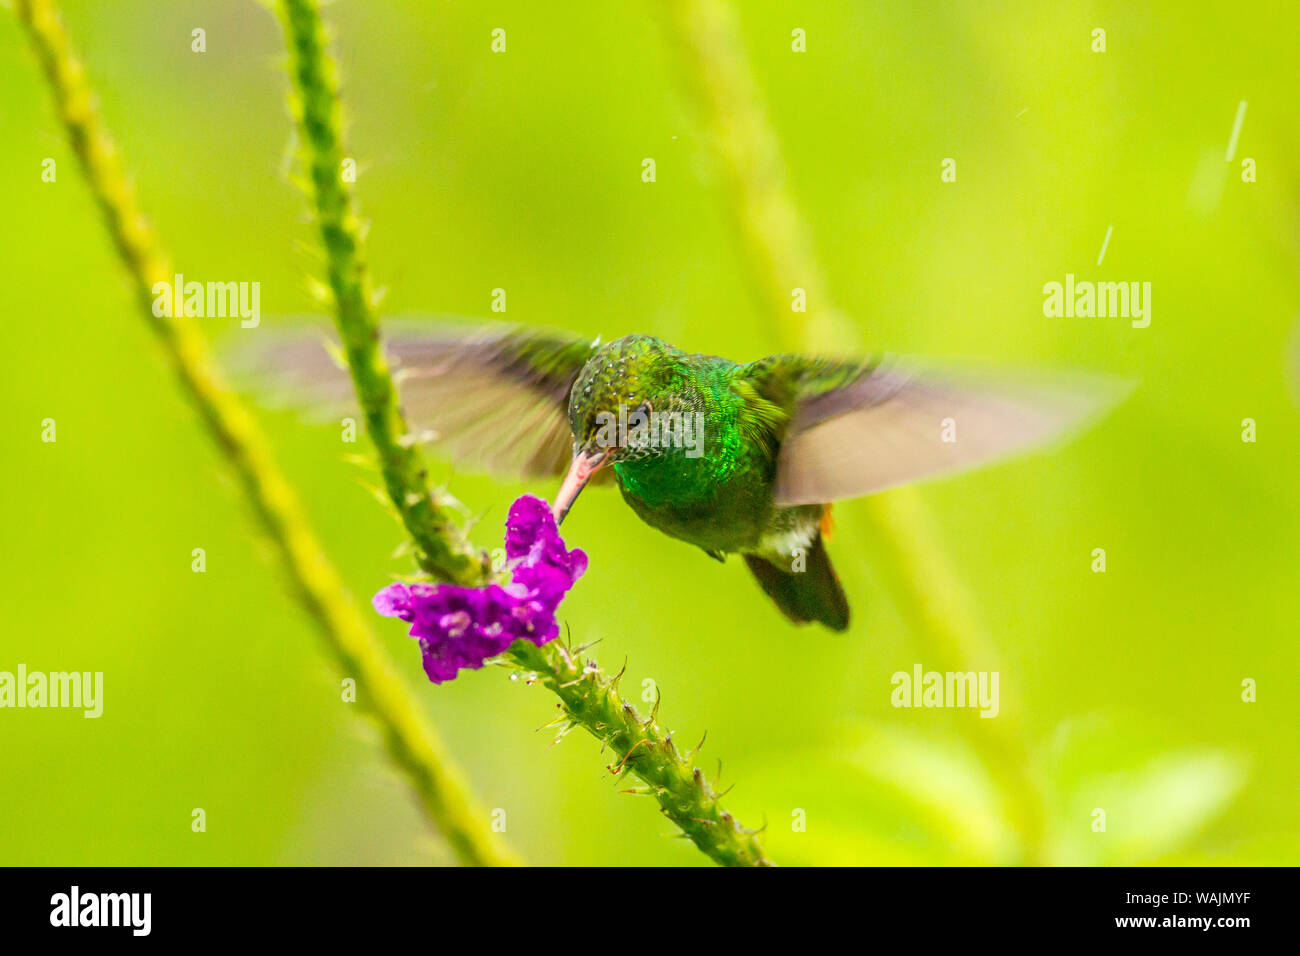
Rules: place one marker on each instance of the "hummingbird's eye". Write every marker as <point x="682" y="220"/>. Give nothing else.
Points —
<point x="639" y="418"/>
<point x="638" y="426"/>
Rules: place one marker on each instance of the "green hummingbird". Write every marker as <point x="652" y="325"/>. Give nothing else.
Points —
<point x="734" y="458"/>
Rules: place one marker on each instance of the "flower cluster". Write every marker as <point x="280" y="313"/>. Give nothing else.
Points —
<point x="460" y="627"/>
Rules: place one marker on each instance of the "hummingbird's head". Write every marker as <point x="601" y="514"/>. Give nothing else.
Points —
<point x="611" y="406"/>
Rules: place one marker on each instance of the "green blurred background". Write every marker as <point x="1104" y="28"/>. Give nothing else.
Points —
<point x="522" y="171"/>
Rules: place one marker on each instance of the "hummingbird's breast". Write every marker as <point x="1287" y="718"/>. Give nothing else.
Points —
<point x="718" y="492"/>
<point x="717" y="515"/>
<point x="717" y="496"/>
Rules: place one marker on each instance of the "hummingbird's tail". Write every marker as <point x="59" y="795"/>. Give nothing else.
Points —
<point x="810" y="594"/>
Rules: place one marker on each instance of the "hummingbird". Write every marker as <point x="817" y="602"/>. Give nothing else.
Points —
<point x="732" y="457"/>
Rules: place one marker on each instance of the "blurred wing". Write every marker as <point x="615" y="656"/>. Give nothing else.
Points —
<point x="499" y="398"/>
<point x="496" y="398"/>
<point x="892" y="424"/>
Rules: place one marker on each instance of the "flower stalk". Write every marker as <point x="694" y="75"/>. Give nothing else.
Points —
<point x="442" y="549"/>
<point x="411" y="741"/>
<point x="588" y="697"/>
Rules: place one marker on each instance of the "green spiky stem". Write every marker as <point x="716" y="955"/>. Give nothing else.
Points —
<point x="779" y="255"/>
<point x="588" y="697"/>
<point x="442" y="549"/>
<point x="412" y="743"/>
<point x="590" y="700"/>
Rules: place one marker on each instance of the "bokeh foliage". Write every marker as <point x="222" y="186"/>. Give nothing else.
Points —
<point x="522" y="171"/>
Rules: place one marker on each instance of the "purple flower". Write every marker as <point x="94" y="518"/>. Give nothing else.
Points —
<point x="529" y="523"/>
<point x="538" y="559"/>
<point x="459" y="628"/>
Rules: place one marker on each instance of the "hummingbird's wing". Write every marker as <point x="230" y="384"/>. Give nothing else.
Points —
<point x="855" y="429"/>
<point x="494" y="397"/>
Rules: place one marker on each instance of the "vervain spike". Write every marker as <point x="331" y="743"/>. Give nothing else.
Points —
<point x="565" y="653"/>
<point x="698" y="747"/>
<point x="559" y="719"/>
<point x="613" y="681"/>
<point x="564" y="732"/>
<point x="627" y="756"/>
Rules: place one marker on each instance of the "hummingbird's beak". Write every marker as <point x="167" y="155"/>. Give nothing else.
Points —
<point x="584" y="466"/>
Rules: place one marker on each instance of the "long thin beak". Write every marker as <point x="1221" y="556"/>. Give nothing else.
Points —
<point x="584" y="466"/>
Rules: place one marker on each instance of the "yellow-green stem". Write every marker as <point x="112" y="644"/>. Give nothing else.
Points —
<point x="588" y="698"/>
<point x="411" y="741"/>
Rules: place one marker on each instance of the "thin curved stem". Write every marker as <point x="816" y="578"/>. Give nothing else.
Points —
<point x="588" y="697"/>
<point x="411" y="742"/>
<point x="442" y="548"/>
